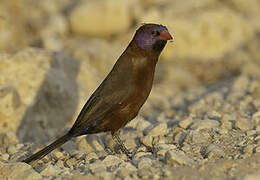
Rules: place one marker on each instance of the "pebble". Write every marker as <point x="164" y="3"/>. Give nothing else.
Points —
<point x="243" y="124"/>
<point x="145" y="163"/>
<point x="185" y="123"/>
<point x="173" y="157"/>
<point x="50" y="170"/>
<point x="205" y="124"/>
<point x="159" y="129"/>
<point x="112" y="161"/>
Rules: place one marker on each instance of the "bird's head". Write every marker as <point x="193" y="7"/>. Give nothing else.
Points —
<point x="152" y="37"/>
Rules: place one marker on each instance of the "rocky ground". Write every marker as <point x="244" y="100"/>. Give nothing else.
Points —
<point x="201" y="121"/>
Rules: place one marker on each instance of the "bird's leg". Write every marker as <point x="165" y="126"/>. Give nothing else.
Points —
<point x="121" y="145"/>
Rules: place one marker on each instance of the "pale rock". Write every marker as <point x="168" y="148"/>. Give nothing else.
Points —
<point x="112" y="161"/>
<point x="243" y="124"/>
<point x="50" y="170"/>
<point x="257" y="149"/>
<point x="256" y="117"/>
<point x="147" y="141"/>
<point x="157" y="130"/>
<point x="86" y="17"/>
<point x="205" y="124"/>
<point x="91" y="156"/>
<point x="227" y="125"/>
<point x="185" y="123"/>
<point x="4" y="156"/>
<point x="249" y="149"/>
<point x="142" y="124"/>
<point x="145" y="163"/>
<point x="214" y="152"/>
<point x="173" y="157"/>
<point x="15" y="171"/>
<point x="97" y="167"/>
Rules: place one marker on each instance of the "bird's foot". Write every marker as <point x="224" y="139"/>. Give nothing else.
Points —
<point x="121" y="145"/>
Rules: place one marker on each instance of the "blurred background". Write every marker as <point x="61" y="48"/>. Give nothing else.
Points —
<point x="53" y="54"/>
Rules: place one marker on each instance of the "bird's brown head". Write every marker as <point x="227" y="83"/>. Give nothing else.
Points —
<point x="152" y="37"/>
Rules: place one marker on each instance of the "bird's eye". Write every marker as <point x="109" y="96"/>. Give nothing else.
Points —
<point x="155" y="33"/>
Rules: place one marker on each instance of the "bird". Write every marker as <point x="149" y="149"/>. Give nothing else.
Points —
<point x="120" y="96"/>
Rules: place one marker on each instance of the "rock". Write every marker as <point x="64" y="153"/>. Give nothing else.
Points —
<point x="86" y="17"/>
<point x="14" y="171"/>
<point x="173" y="157"/>
<point x="50" y="170"/>
<point x="205" y="124"/>
<point x="249" y="149"/>
<point x="4" y="157"/>
<point x="33" y="79"/>
<point x="180" y="137"/>
<point x="112" y="161"/>
<point x="214" y="152"/>
<point x="185" y="123"/>
<point x="243" y="124"/>
<point x="145" y="163"/>
<point x="159" y="129"/>
<point x="97" y="167"/>
<point x="147" y="141"/>
<point x="256" y="117"/>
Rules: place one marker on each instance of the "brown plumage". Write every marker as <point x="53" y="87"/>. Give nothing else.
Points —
<point x="120" y="96"/>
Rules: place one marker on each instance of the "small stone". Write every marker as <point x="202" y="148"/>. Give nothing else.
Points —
<point x="173" y="157"/>
<point x="60" y="164"/>
<point x="90" y="156"/>
<point x="251" y="133"/>
<point x="70" y="162"/>
<point x="97" y="167"/>
<point x="257" y="138"/>
<point x="142" y="124"/>
<point x="249" y="149"/>
<point x="214" y="152"/>
<point x="243" y="124"/>
<point x="256" y="117"/>
<point x="145" y="163"/>
<point x="257" y="149"/>
<point x="112" y="161"/>
<point x="4" y="156"/>
<point x="144" y="173"/>
<point x="227" y="117"/>
<point x="180" y="137"/>
<point x="185" y="123"/>
<point x="50" y="170"/>
<point x="256" y="103"/>
<point x="227" y="125"/>
<point x="140" y="155"/>
<point x="58" y="154"/>
<point x="19" y="170"/>
<point x="205" y="124"/>
<point x="147" y="140"/>
<point x="159" y="129"/>
<point x="12" y="149"/>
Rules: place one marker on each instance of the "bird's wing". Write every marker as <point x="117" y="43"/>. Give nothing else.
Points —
<point x="114" y="90"/>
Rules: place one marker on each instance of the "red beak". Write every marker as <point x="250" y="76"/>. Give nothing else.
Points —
<point x="165" y="35"/>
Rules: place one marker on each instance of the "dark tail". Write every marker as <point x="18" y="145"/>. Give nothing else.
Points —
<point x="40" y="154"/>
